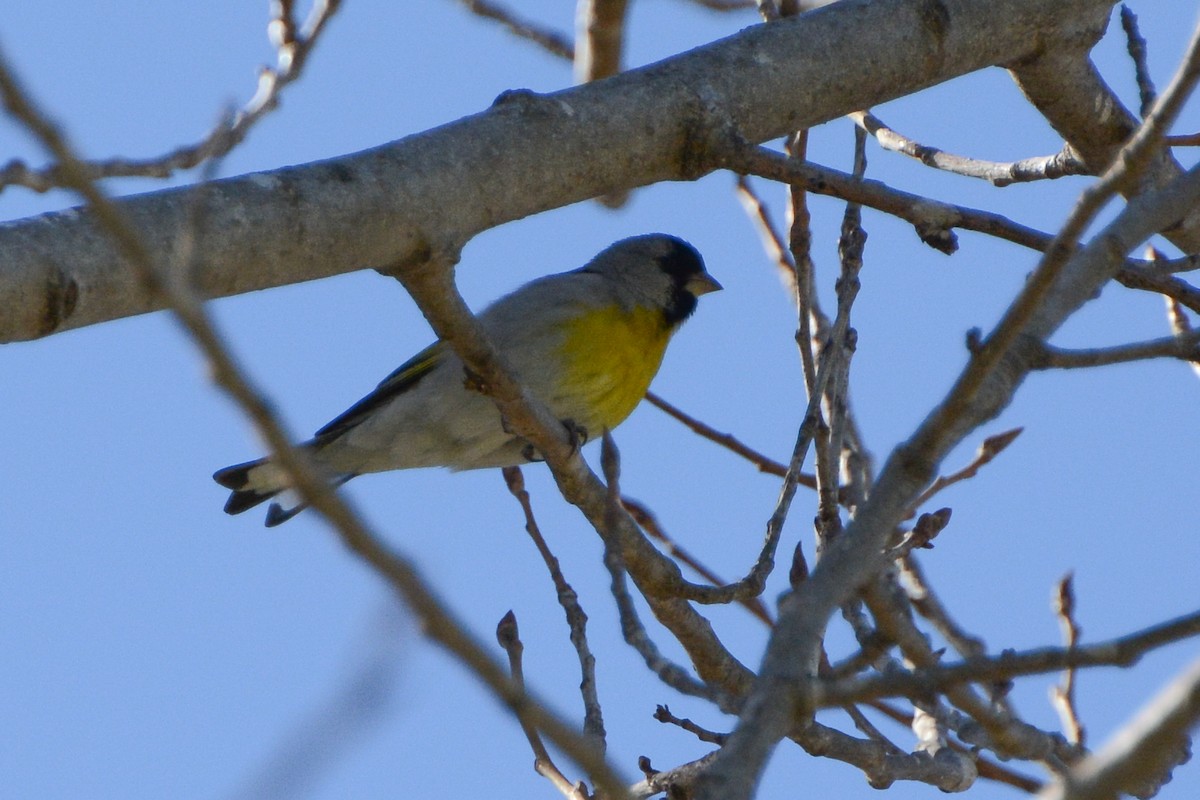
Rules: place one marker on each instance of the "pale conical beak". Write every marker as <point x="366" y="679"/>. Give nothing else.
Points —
<point x="702" y="284"/>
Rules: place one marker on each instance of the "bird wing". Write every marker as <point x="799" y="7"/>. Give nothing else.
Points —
<point x="404" y="378"/>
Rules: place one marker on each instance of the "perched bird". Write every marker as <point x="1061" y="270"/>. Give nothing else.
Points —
<point x="586" y="343"/>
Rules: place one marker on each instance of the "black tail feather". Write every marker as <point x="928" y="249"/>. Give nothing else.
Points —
<point x="236" y="478"/>
<point x="277" y="514"/>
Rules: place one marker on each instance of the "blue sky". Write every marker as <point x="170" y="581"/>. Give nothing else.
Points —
<point x="153" y="646"/>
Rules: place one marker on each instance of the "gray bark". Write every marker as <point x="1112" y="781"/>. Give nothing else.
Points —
<point x="392" y="205"/>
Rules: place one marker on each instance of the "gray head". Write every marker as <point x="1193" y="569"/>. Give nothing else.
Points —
<point x="659" y="268"/>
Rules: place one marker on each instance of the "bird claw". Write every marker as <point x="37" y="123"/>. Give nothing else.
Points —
<point x="473" y="381"/>
<point x="575" y="432"/>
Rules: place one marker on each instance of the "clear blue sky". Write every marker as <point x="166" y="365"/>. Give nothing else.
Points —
<point x="151" y="646"/>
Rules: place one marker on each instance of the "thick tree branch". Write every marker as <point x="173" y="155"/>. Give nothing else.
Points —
<point x="394" y="205"/>
<point x="1066" y="88"/>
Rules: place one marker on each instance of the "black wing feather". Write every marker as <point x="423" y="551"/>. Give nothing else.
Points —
<point x="406" y="376"/>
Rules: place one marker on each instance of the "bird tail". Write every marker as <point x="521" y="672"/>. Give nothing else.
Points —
<point x="255" y="482"/>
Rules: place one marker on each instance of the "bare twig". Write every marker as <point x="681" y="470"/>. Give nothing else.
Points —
<point x="593" y="716"/>
<point x="1061" y="164"/>
<point x="1167" y="285"/>
<point x="1137" y="52"/>
<point x="934" y="220"/>
<point x="1120" y="652"/>
<point x="509" y="638"/>
<point x="1157" y="262"/>
<point x="649" y="523"/>
<point x="772" y="242"/>
<point x="726" y="5"/>
<point x="991" y="447"/>
<point x="1184" y="346"/>
<point x="1064" y="695"/>
<point x="925" y="601"/>
<point x="868" y="729"/>
<point x="728" y="441"/>
<point x="839" y="350"/>
<point x="663" y="714"/>
<point x="599" y="44"/>
<point x="632" y="629"/>
<point x="551" y="41"/>
<point x="293" y="46"/>
<point x="811" y="322"/>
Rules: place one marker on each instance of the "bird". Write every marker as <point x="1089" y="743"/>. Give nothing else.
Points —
<point x="586" y="343"/>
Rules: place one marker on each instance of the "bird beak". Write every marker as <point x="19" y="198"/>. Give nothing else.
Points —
<point x="702" y="284"/>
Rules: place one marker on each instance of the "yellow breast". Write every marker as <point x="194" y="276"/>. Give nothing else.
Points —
<point x="611" y="355"/>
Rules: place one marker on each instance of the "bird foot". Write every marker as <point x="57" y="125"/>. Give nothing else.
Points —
<point x="575" y="432"/>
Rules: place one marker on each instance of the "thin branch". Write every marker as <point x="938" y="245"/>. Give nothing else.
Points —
<point x="1124" y="651"/>
<point x="994" y="726"/>
<point x="726" y="5"/>
<point x="593" y="716"/>
<point x="632" y="629"/>
<point x="772" y="242"/>
<point x="1177" y="318"/>
<point x="663" y="714"/>
<point x="1166" y="285"/>
<point x="811" y="322"/>
<point x="649" y="523"/>
<point x="935" y="221"/>
<point x="868" y="729"/>
<point x="1158" y="262"/>
<point x="926" y="603"/>
<point x="728" y="441"/>
<point x="1061" y="164"/>
<point x="549" y="40"/>
<point x="1185" y="347"/>
<point x="1064" y="695"/>
<point x="292" y="47"/>
<point x="839" y="349"/>
<point x="1136" y="45"/>
<point x="509" y="638"/>
<point x="991" y="447"/>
